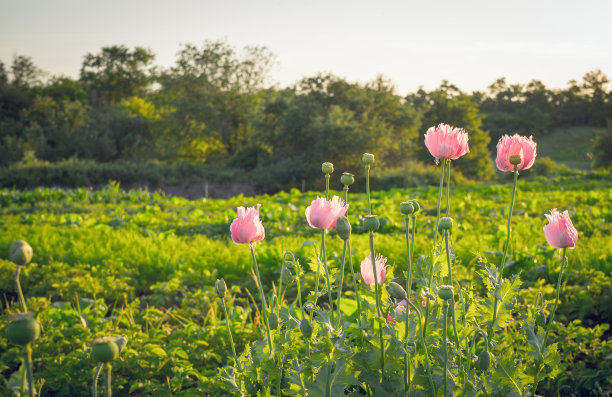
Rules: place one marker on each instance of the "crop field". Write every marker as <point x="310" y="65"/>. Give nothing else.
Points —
<point x="144" y="265"/>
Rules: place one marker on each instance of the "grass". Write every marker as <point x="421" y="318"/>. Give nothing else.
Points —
<point x="569" y="146"/>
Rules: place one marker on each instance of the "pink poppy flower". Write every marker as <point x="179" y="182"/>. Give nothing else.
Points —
<point x="247" y="228"/>
<point x="381" y="269"/>
<point x="515" y="145"/>
<point x="446" y="142"/>
<point x="401" y="306"/>
<point x="323" y="213"/>
<point x="560" y="233"/>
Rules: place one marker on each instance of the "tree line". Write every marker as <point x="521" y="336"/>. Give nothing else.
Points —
<point x="216" y="105"/>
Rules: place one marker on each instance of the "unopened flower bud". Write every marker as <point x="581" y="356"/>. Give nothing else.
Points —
<point x="371" y="223"/>
<point x="396" y="291"/>
<point x="273" y="302"/>
<point x="484" y="360"/>
<point x="327" y="168"/>
<point x="306" y="328"/>
<point x="446" y="223"/>
<point x="343" y="228"/>
<point x="406" y="208"/>
<point x="20" y="253"/>
<point x="415" y="205"/>
<point x="367" y="158"/>
<point x="220" y="288"/>
<point x="104" y="349"/>
<point x="445" y="292"/>
<point x="273" y="321"/>
<point x="541" y="319"/>
<point x="515" y="159"/>
<point x="347" y="179"/>
<point x="286" y="275"/>
<point x="23" y="329"/>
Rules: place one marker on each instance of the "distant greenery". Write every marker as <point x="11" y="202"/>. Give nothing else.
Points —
<point x="216" y="105"/>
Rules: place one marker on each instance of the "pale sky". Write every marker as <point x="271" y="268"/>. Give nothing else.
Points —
<point x="471" y="43"/>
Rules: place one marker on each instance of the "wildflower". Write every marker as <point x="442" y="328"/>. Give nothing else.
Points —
<point x="381" y="269"/>
<point x="446" y="142"/>
<point x="247" y="228"/>
<point x="323" y="213"/>
<point x="560" y="233"/>
<point x="515" y="150"/>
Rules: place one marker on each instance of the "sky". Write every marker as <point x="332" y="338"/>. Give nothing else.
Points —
<point x="470" y="43"/>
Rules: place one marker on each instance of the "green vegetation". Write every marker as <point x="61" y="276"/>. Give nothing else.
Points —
<point x="143" y="265"/>
<point x="569" y="146"/>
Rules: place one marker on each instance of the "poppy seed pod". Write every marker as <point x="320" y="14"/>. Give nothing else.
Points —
<point x="327" y="168"/>
<point x="273" y="321"/>
<point x="371" y="223"/>
<point x="104" y="349"/>
<point x="515" y="160"/>
<point x="20" y="253"/>
<point x="396" y="291"/>
<point x="446" y="292"/>
<point x="23" y="329"/>
<point x="415" y="205"/>
<point x="220" y="288"/>
<point x="484" y="360"/>
<point x="406" y="208"/>
<point x="446" y="223"/>
<point x="306" y="328"/>
<point x="367" y="158"/>
<point x="343" y="228"/>
<point x="347" y="179"/>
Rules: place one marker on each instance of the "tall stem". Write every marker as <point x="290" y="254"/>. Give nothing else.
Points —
<point x="262" y="296"/>
<point x="95" y="379"/>
<point x="350" y="261"/>
<point x="107" y="380"/>
<point x="24" y="308"/>
<point x="438" y="207"/>
<point x="339" y="293"/>
<point x="448" y="168"/>
<point x="378" y="305"/>
<point x="29" y="370"/>
<point x="550" y="319"/>
<point x="326" y="186"/>
<point x="229" y="331"/>
<point x="444" y="345"/>
<point x="500" y="270"/>
<point x="329" y="291"/>
<point x="450" y="280"/>
<point x="367" y="171"/>
<point x="408" y="292"/>
<point x="431" y="383"/>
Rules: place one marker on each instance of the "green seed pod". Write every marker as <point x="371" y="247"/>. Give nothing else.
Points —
<point x="484" y="360"/>
<point x="515" y="160"/>
<point x="367" y="158"/>
<point x="23" y="329"/>
<point x="104" y="349"/>
<point x="273" y="321"/>
<point x="406" y="208"/>
<point x="347" y="179"/>
<point x="220" y="288"/>
<point x="20" y="253"/>
<point x="371" y="223"/>
<point x="415" y="205"/>
<point x="343" y="228"/>
<point x="446" y="223"/>
<point x="306" y="328"/>
<point x="396" y="291"/>
<point x="445" y="292"/>
<point x="327" y="168"/>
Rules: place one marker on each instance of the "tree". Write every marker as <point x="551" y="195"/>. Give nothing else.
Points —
<point x="25" y="73"/>
<point x="116" y="73"/>
<point x="3" y="75"/>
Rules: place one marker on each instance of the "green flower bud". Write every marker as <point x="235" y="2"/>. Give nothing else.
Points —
<point x="220" y="288"/>
<point x="306" y="328"/>
<point x="273" y="321"/>
<point x="347" y="179"/>
<point x="415" y="205"/>
<point x="406" y="208"/>
<point x="343" y="228"/>
<point x="445" y="292"/>
<point x="104" y="349"/>
<point x="367" y="158"/>
<point x="396" y="291"/>
<point x="446" y="223"/>
<point x="484" y="360"/>
<point x="327" y="168"/>
<point x="20" y="253"/>
<point x="541" y="319"/>
<point x="286" y="275"/>
<point x="23" y="329"/>
<point x="371" y="223"/>
<point x="515" y="160"/>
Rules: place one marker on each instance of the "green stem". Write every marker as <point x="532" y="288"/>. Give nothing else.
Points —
<point x="341" y="282"/>
<point x="367" y="171"/>
<point x="444" y="345"/>
<point x="299" y="292"/>
<point x="262" y="296"/>
<point x="329" y="291"/>
<point x="408" y="292"/>
<point x="29" y="369"/>
<point x="450" y="279"/>
<point x="229" y="332"/>
<point x="438" y="207"/>
<point x="107" y="379"/>
<point x="95" y="379"/>
<point x="550" y="320"/>
<point x="326" y="186"/>
<point x="448" y="168"/>
<point x="471" y="347"/>
<point x="24" y="308"/>
<point x="23" y="378"/>
<point x="500" y="270"/>
<point x="431" y="383"/>
<point x="350" y="261"/>
<point x="378" y="305"/>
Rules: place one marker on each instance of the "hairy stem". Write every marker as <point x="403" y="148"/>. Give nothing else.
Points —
<point x="24" y="308"/>
<point x="408" y="293"/>
<point x="229" y="331"/>
<point x="95" y="379"/>
<point x="29" y="369"/>
<point x="329" y="291"/>
<point x="378" y="305"/>
<point x="435" y="232"/>
<point x="107" y="380"/>
<point x="427" y="366"/>
<point x="262" y="296"/>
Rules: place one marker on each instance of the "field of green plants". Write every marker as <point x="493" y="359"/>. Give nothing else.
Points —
<point x="143" y="265"/>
